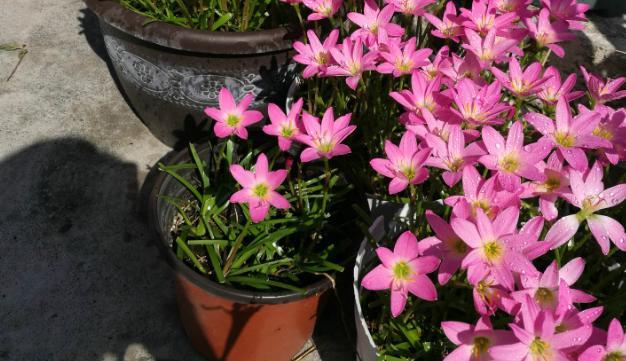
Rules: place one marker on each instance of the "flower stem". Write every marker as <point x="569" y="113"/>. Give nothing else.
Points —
<point x="235" y="249"/>
<point x="326" y="184"/>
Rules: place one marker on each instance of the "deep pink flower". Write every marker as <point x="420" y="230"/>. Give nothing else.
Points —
<point x="232" y="118"/>
<point x="422" y="127"/>
<point x="375" y="23"/>
<point x="570" y="135"/>
<point x="439" y="64"/>
<point x="351" y="62"/>
<point x="403" y="271"/>
<point x="449" y="26"/>
<point x="478" y="105"/>
<point x="285" y="127"/>
<point x="423" y="94"/>
<point x="521" y="83"/>
<point x="493" y="252"/>
<point x="603" y="91"/>
<point x="410" y="7"/>
<point x="548" y="34"/>
<point x="463" y="67"/>
<point x="530" y="232"/>
<point x="452" y="155"/>
<point x="614" y="349"/>
<point x="552" y="90"/>
<point x="612" y="127"/>
<point x="324" y="140"/>
<point x="490" y="48"/>
<point x="571" y="11"/>
<point x="404" y="163"/>
<point x="489" y="297"/>
<point x="259" y="188"/>
<point x="473" y="342"/>
<point x="589" y="195"/>
<point x="555" y="181"/>
<point x="322" y="9"/>
<point x="538" y="338"/>
<point x="483" y="17"/>
<point x="400" y="61"/>
<point x="519" y="7"/>
<point x="315" y="55"/>
<point x="510" y="158"/>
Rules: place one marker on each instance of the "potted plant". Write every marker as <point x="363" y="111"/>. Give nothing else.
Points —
<point x="256" y="231"/>
<point x="173" y="57"/>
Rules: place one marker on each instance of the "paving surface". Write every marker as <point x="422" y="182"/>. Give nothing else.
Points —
<point x="79" y="276"/>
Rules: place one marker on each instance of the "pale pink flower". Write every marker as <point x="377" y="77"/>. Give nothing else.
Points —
<point x="351" y="62"/>
<point x="259" y="188"/>
<point x="401" y="61"/>
<point x="483" y="17"/>
<point x="449" y="26"/>
<point x="473" y="342"/>
<point x="403" y="271"/>
<point x="552" y="90"/>
<point x="522" y="83"/>
<point x="478" y="105"/>
<point x="570" y="134"/>
<point x="613" y="350"/>
<point x="285" y="127"/>
<point x="325" y="139"/>
<point x="322" y="9"/>
<point x="493" y="252"/>
<point x="548" y="34"/>
<point x="375" y="23"/>
<point x="489" y="49"/>
<point x="589" y="195"/>
<point x="232" y="118"/>
<point x="315" y="55"/>
<point x="404" y="163"/>
<point x="410" y="7"/>
<point x="602" y="91"/>
<point x="571" y="11"/>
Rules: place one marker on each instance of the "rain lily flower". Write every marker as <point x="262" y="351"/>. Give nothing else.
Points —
<point x="547" y="34"/>
<point x="452" y="156"/>
<point x="521" y="83"/>
<point x="403" y="271"/>
<point x="325" y="139"/>
<point x="555" y="182"/>
<point x="315" y="55"/>
<point x="423" y="94"/>
<point x="571" y="11"/>
<point x="532" y="248"/>
<point x="482" y="17"/>
<point x="488" y="297"/>
<point x="375" y="22"/>
<point x="492" y="252"/>
<point x="232" y="118"/>
<point x="439" y="64"/>
<point x="490" y="48"/>
<point x="568" y="318"/>
<point x="410" y="7"/>
<point x="322" y="9"/>
<point x="538" y="339"/>
<point x="478" y="105"/>
<point x="285" y="127"/>
<point x="603" y="91"/>
<point x="612" y="127"/>
<point x="552" y="90"/>
<point x="259" y="188"/>
<point x="473" y="342"/>
<point x="589" y="195"/>
<point x="449" y="26"/>
<point x="351" y="62"/>
<point x="404" y="163"/>
<point x="519" y="7"/>
<point x="430" y="125"/>
<point x="510" y="159"/>
<point x="613" y="350"/>
<point x="463" y="67"/>
<point x="401" y="61"/>
<point x="544" y="288"/>
<point x="570" y="135"/>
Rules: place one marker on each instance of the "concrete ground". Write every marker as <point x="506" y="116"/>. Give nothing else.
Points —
<point x="80" y="278"/>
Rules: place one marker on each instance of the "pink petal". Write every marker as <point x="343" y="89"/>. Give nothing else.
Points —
<point x="615" y="336"/>
<point x="613" y="196"/>
<point x="493" y="140"/>
<point x="397" y="185"/>
<point x="515" y="139"/>
<point x="606" y="228"/>
<point x="571" y="338"/>
<point x="242" y="176"/>
<point x="378" y="279"/>
<point x="572" y="270"/>
<point x="467" y="232"/>
<point x="461" y="353"/>
<point x="449" y="266"/>
<point x="261" y="167"/>
<point x="382" y="166"/>
<point x="506" y="221"/>
<point x="241" y="196"/>
<point x="386" y="256"/>
<point x="221" y="130"/>
<point x="593" y="353"/>
<point x="226" y="100"/>
<point x="278" y="201"/>
<point x="398" y="301"/>
<point x="457" y="332"/>
<point x="575" y="157"/>
<point x="562" y="231"/>
<point x="406" y="246"/>
<point x="512" y="352"/>
<point x="309" y="154"/>
<point x="423" y="288"/>
<point x="423" y="265"/>
<point x="259" y="211"/>
<point x="276" y="114"/>
<point x="550" y="277"/>
<point x="276" y="178"/>
<point x="214" y="113"/>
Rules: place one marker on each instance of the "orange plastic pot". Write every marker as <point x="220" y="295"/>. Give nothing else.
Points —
<point x="225" y="323"/>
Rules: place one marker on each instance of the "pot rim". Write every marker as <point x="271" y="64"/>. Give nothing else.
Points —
<point x="193" y="40"/>
<point x="215" y="288"/>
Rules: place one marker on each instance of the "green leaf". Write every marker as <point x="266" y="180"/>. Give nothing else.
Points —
<point x="221" y="21"/>
<point x="202" y="242"/>
<point x="182" y="181"/>
<point x="200" y="166"/>
<point x="264" y="283"/>
<point x="181" y="244"/>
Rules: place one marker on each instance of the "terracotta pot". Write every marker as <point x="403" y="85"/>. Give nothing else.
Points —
<point x="170" y="74"/>
<point x="229" y="324"/>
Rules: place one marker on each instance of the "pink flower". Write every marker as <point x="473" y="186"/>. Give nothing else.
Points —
<point x="547" y="34"/>
<point x="452" y="156"/>
<point x="410" y="7"/>
<point x="510" y="159"/>
<point x="552" y="90"/>
<point x="520" y="7"/>
<point x="375" y="22"/>
<point x="478" y="105"/>
<point x="482" y="17"/>
<point x="570" y="135"/>
<point x="589" y="195"/>
<point x="232" y="118"/>
<point x="488" y="297"/>
<point x="521" y="83"/>
<point x="612" y="127"/>
<point x="493" y="252"/>
<point x="571" y="11"/>
<point x="538" y="338"/>
<point x="430" y="125"/>
<point x="351" y="62"/>
<point x="439" y="64"/>
<point x="324" y="140"/>
<point x="322" y="9"/>
<point x="424" y="94"/>
<point x="315" y="55"/>
<point x="404" y="163"/>
<point x="490" y="48"/>
<point x="614" y="349"/>
<point x="403" y="61"/>
<point x="603" y="91"/>
<point x="463" y="67"/>
<point x="449" y="26"/>
<point x="555" y="182"/>
<point x="473" y="342"/>
<point x="285" y="127"/>
<point x="259" y="188"/>
<point x="403" y="271"/>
